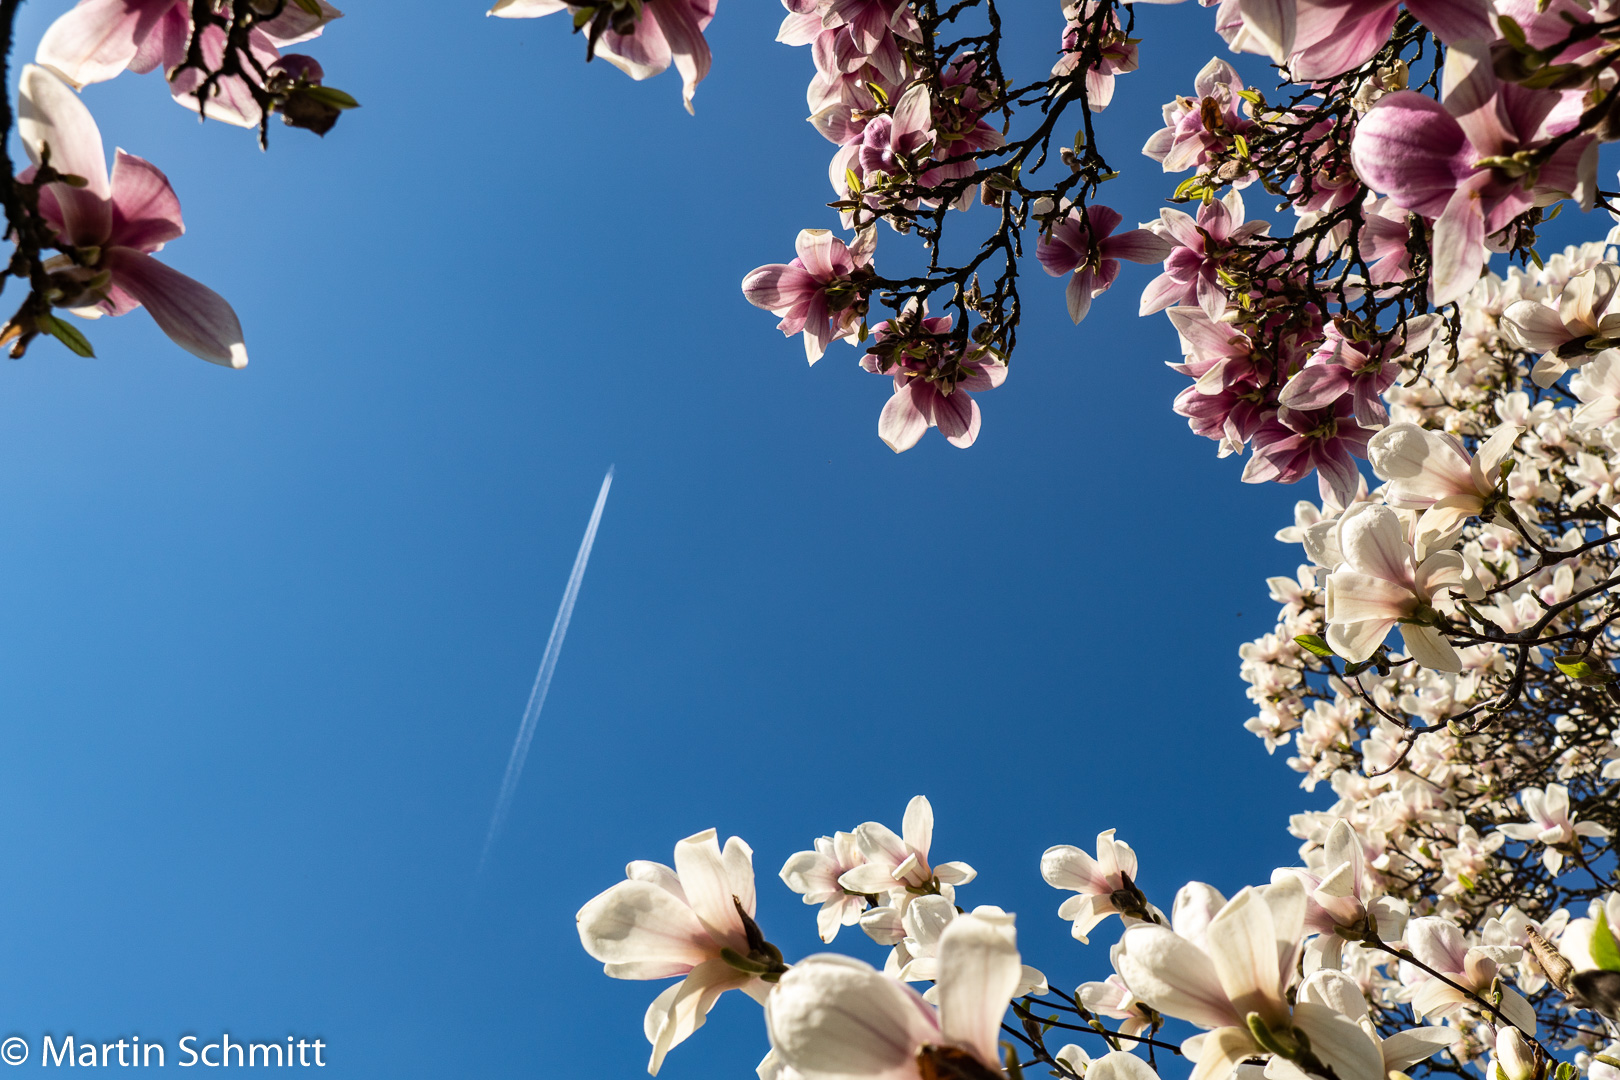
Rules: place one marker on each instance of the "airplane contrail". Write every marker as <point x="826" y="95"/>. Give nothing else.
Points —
<point x="542" y="679"/>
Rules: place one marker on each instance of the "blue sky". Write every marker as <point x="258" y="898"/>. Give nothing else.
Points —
<point x="265" y="636"/>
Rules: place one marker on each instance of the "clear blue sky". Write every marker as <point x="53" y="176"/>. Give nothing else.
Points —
<point x="265" y="636"/>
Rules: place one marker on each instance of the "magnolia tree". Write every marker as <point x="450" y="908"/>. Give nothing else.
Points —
<point x="1442" y="658"/>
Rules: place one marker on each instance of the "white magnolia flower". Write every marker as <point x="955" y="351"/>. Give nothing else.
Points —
<point x="1382" y="585"/>
<point x="835" y="1018"/>
<point x="815" y="874"/>
<point x="1101" y="882"/>
<point x="1430" y="471"/>
<point x="915" y="957"/>
<point x="1236" y="984"/>
<point x="1588" y="313"/>
<point x="1597" y="386"/>
<point x="664" y="922"/>
<point x="1400" y="1051"/>
<point x="1340" y="895"/>
<point x="895" y="865"/>
<point x="1113" y="999"/>
<point x="1550" y="824"/>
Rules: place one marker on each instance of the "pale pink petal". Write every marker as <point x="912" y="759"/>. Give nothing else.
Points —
<point x="97" y="39"/>
<point x="900" y="425"/>
<point x="195" y="317"/>
<point x="145" y="209"/>
<point x="50" y="115"/>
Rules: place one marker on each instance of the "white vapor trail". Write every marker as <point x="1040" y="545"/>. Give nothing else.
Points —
<point x="542" y="679"/>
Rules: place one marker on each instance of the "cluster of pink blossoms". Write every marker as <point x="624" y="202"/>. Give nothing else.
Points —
<point x="108" y="227"/>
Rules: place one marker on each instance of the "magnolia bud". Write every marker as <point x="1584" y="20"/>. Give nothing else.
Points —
<point x="1515" y="1057"/>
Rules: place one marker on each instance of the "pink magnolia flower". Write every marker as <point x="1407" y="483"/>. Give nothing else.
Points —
<point x="1085" y="245"/>
<point x="662" y="922"/>
<point x="1335" y="36"/>
<point x="1229" y="400"/>
<point x="1198" y="126"/>
<point x="1551" y="824"/>
<point x="1192" y="270"/>
<point x="844" y="47"/>
<point x="98" y="39"/>
<point x="1118" y="52"/>
<point x="1095" y="881"/>
<point x="932" y="380"/>
<point x="667" y="32"/>
<point x="115" y="224"/>
<point x="1343" y="368"/>
<point x="871" y="22"/>
<point x="1381" y="585"/>
<point x="1292" y="443"/>
<point x="819" y="293"/>
<point x="1462" y="164"/>
<point x="1438" y="943"/>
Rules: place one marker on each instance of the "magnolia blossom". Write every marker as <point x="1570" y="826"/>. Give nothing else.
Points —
<point x="933" y="381"/>
<point x="1381" y="584"/>
<point x="1290" y="444"/>
<point x="1584" y="323"/>
<point x="1430" y="471"/>
<point x="1236" y="982"/>
<point x="896" y="865"/>
<point x="815" y="874"/>
<point x="667" y="32"/>
<point x="916" y="934"/>
<point x="1319" y="39"/>
<point x="663" y="922"/>
<point x="1454" y="163"/>
<point x="115" y="224"/>
<point x="832" y="1018"/>
<point x="1341" y="367"/>
<point x="1551" y="824"/>
<point x="1199" y="126"/>
<point x="1440" y="945"/>
<point x="816" y="294"/>
<point x="1597" y="386"/>
<point x="98" y="39"/>
<point x="1192" y="269"/>
<point x="1083" y="244"/>
<point x="1337" y="991"/>
<point x="1098" y="881"/>
<point x="1341" y="896"/>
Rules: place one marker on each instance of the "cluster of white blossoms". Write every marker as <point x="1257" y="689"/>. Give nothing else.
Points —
<point x="1476" y="761"/>
<point x="1441" y="660"/>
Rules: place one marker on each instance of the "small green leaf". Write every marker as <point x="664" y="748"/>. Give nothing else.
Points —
<point x="66" y="333"/>
<point x="328" y="95"/>
<point x="1566" y="1071"/>
<point x="1311" y="643"/>
<point x="1512" y="31"/>
<point x="1605" y="950"/>
<point x="1581" y="668"/>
